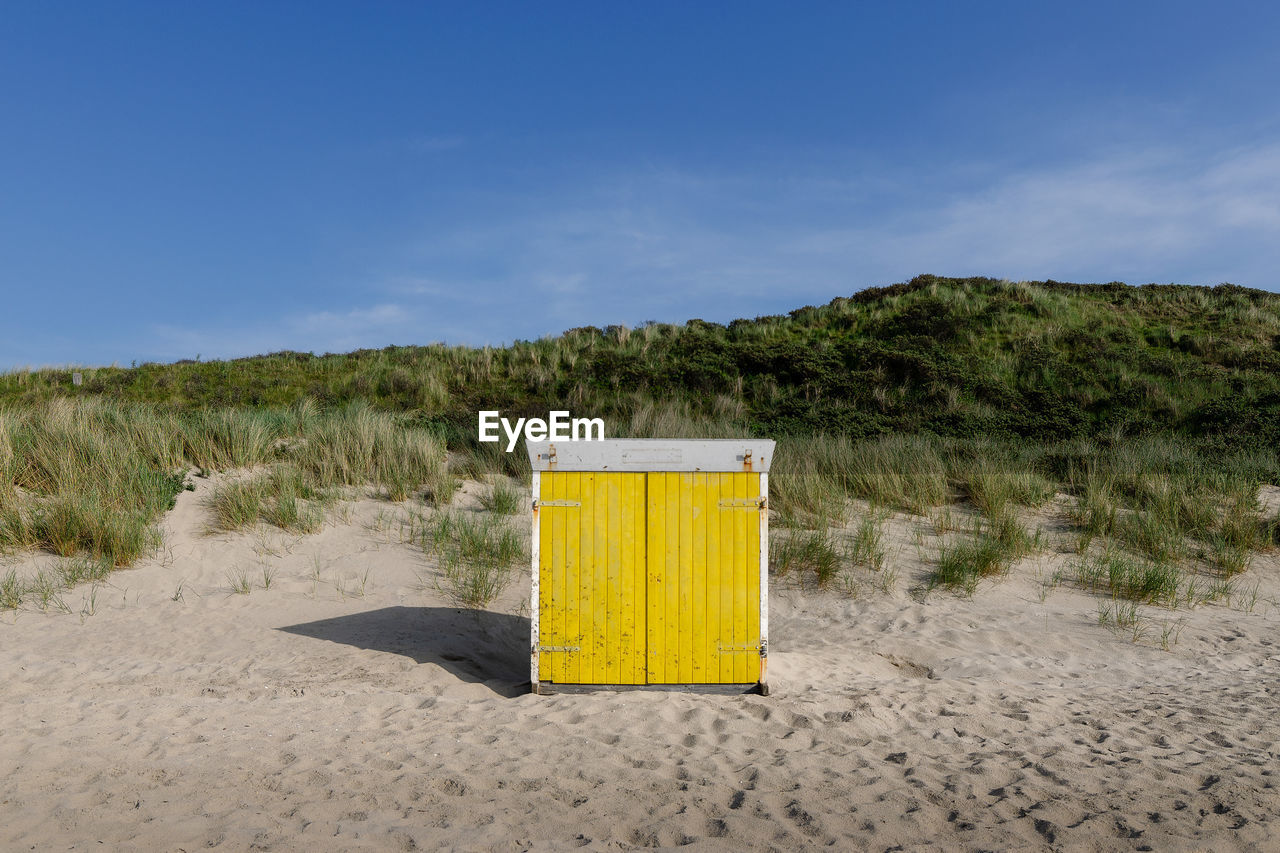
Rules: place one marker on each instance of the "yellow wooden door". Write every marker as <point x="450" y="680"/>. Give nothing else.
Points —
<point x="591" y="581"/>
<point x="703" y="613"/>
<point x="649" y="578"/>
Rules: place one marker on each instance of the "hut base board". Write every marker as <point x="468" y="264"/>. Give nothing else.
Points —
<point x="548" y="688"/>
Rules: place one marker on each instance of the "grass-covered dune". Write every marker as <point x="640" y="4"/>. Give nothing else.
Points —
<point x="1044" y="361"/>
<point x="1157" y="408"/>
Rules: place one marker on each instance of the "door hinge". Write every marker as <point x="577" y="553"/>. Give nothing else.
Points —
<point x="539" y="504"/>
<point x="559" y="648"/>
<point x="728" y="647"/>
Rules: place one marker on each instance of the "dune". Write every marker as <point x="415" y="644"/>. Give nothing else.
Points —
<point x="347" y="705"/>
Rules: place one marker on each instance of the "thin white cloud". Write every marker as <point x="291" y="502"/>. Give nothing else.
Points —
<point x="1159" y="216"/>
<point x="319" y="331"/>
<point x="355" y="322"/>
<point x="669" y="246"/>
<point x="664" y="244"/>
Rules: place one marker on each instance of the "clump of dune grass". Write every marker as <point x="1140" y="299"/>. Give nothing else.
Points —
<point x="1153" y="533"/>
<point x="814" y="556"/>
<point x="477" y="555"/>
<point x="993" y="482"/>
<point x="501" y="498"/>
<point x="478" y="460"/>
<point x="16" y="531"/>
<point x="84" y="477"/>
<point x="357" y="446"/>
<point x="866" y="547"/>
<point x="222" y="439"/>
<point x="1236" y="533"/>
<point x="902" y="471"/>
<point x="84" y="569"/>
<point x="963" y="564"/>
<point x="1096" y="509"/>
<point x="292" y="503"/>
<point x="1120" y="575"/>
<point x="238" y="582"/>
<point x="808" y="480"/>
<point x="237" y="503"/>
<point x="989" y="551"/>
<point x="45" y="590"/>
<point x="1270" y="536"/>
<point x="1123" y="618"/>
<point x="282" y="496"/>
<point x="815" y="476"/>
<point x="12" y="591"/>
<point x="91" y="477"/>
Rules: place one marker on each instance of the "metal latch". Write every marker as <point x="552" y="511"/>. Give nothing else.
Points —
<point x="724" y="647"/>
<point x="742" y="503"/>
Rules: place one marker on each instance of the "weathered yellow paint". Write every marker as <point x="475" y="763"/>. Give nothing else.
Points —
<point x="671" y="613"/>
<point x="640" y="584"/>
<point x="724" y="580"/>
<point x="698" y="542"/>
<point x="753" y="579"/>
<point x="714" y="558"/>
<point x="655" y="571"/>
<point x="649" y="578"/>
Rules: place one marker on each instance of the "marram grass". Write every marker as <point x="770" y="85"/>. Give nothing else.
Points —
<point x="91" y="477"/>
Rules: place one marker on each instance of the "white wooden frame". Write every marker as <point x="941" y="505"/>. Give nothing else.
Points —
<point x="535" y="607"/>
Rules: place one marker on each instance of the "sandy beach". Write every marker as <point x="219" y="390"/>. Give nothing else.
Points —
<point x="348" y="706"/>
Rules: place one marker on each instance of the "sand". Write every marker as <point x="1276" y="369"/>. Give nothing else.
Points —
<point x="349" y="707"/>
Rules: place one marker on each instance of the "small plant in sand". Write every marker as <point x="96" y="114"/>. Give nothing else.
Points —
<point x="1123" y="617"/>
<point x="866" y="548"/>
<point x="77" y="570"/>
<point x="1170" y="632"/>
<point x="1217" y="589"/>
<point x="943" y="520"/>
<point x="477" y="555"/>
<point x="45" y="589"/>
<point x="89" y="604"/>
<point x="12" y="591"/>
<point x="501" y="498"/>
<point x="315" y="576"/>
<point x="1048" y="583"/>
<point x="238" y="580"/>
<point x="351" y="586"/>
<point x="1246" y="598"/>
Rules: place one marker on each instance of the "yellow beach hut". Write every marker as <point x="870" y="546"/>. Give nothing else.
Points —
<point x="650" y="564"/>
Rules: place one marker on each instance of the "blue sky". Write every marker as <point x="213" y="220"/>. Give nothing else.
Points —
<point x="225" y="179"/>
